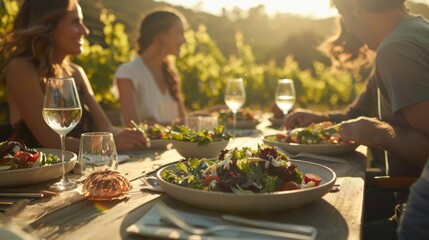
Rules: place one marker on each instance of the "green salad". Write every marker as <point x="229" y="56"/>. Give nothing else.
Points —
<point x="203" y="137"/>
<point x="15" y="155"/>
<point x="155" y="131"/>
<point x="241" y="171"/>
<point x="313" y="134"/>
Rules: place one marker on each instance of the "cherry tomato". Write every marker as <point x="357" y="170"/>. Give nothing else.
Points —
<point x="287" y="186"/>
<point x="280" y="136"/>
<point x="209" y="179"/>
<point x="26" y="157"/>
<point x="23" y="156"/>
<point x="310" y="177"/>
<point x="35" y="156"/>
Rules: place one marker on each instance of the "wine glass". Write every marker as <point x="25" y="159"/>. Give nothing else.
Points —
<point x="235" y="97"/>
<point x="62" y="112"/>
<point x="285" y="95"/>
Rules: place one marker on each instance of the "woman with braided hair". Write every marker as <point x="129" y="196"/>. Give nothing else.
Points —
<point x="149" y="86"/>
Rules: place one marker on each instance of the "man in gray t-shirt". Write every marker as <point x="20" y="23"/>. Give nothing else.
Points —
<point x="399" y="89"/>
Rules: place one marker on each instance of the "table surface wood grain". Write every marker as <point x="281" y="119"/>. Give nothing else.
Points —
<point x="338" y="215"/>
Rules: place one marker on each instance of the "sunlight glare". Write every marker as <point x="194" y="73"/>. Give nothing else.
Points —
<point x="310" y="8"/>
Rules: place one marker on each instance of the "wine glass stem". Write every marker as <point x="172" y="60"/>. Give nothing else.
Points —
<point x="65" y="177"/>
<point x="234" y="122"/>
<point x="284" y="120"/>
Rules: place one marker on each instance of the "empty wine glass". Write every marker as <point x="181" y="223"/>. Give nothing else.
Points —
<point x="235" y="97"/>
<point x="285" y="95"/>
<point x="62" y="112"/>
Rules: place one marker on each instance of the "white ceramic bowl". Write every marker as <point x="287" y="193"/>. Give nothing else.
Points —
<point x="191" y="149"/>
<point x="31" y="176"/>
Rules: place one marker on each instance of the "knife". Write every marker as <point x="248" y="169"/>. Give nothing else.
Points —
<point x="23" y="195"/>
<point x="308" y="231"/>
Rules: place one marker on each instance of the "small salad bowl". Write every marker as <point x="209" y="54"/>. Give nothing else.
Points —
<point x="195" y="150"/>
<point x="206" y="143"/>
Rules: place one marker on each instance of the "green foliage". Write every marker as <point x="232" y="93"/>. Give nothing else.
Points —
<point x="8" y="11"/>
<point x="100" y="63"/>
<point x="201" y="68"/>
<point x="205" y="69"/>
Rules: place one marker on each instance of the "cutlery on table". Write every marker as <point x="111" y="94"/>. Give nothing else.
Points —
<point x="309" y="231"/>
<point x="173" y="218"/>
<point x="313" y="156"/>
<point x="22" y="194"/>
<point x="136" y="126"/>
<point x="150" y="184"/>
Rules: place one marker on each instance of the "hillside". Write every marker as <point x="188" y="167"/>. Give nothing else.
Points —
<point x="271" y="38"/>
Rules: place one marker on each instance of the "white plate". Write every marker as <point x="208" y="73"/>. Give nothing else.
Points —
<point x="254" y="203"/>
<point x="322" y="149"/>
<point x="244" y="124"/>
<point x="31" y="176"/>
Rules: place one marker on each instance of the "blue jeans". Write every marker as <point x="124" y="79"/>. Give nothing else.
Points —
<point x="414" y="223"/>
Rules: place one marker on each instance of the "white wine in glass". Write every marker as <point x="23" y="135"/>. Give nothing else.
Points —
<point x="285" y="95"/>
<point x="235" y="97"/>
<point x="62" y="112"/>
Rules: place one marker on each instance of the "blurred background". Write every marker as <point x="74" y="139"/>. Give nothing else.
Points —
<point x="260" y="41"/>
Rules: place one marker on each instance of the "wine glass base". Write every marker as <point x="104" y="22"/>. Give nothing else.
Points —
<point x="63" y="185"/>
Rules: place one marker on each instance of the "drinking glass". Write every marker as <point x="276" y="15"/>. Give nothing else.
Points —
<point x="235" y="97"/>
<point x="285" y="95"/>
<point x="62" y="112"/>
<point x="198" y="123"/>
<point x="97" y="152"/>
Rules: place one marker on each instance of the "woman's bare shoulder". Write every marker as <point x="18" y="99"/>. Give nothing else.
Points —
<point x="20" y="64"/>
<point x="21" y="70"/>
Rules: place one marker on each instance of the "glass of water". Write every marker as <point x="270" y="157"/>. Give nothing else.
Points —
<point x="97" y="152"/>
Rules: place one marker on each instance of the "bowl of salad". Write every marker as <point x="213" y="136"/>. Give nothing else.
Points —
<point x="246" y="181"/>
<point x="206" y="143"/>
<point x="311" y="139"/>
<point x="23" y="166"/>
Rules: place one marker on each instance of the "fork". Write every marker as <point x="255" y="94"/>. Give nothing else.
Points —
<point x="150" y="186"/>
<point x="172" y="217"/>
<point x="136" y="126"/>
<point x="314" y="156"/>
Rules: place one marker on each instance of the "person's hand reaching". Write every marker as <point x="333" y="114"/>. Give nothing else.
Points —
<point x="303" y="118"/>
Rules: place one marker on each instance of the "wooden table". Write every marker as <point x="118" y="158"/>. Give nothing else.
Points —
<point x="68" y="215"/>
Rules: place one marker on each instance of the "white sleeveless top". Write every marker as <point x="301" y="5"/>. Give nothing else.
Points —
<point x="151" y="102"/>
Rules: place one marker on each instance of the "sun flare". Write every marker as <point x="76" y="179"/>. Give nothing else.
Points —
<point x="311" y="8"/>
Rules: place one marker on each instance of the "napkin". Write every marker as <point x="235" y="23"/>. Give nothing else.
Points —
<point x="151" y="225"/>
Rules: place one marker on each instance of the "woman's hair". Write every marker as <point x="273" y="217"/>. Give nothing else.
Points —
<point x="31" y="36"/>
<point x="346" y="50"/>
<point x="153" y="24"/>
